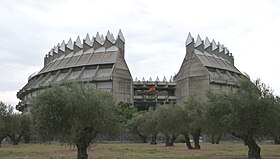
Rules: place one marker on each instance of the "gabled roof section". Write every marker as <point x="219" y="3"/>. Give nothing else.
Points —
<point x="62" y="46"/>
<point x="55" y="49"/>
<point x="102" y="39"/>
<point x="87" y="40"/>
<point x="214" y="45"/>
<point x="78" y="42"/>
<point x="70" y="44"/>
<point x="210" y="54"/>
<point x="207" y="43"/>
<point x="210" y="60"/>
<point x="189" y="39"/>
<point x="110" y="37"/>
<point x="98" y="38"/>
<point x="120" y="36"/>
<point x="198" y="41"/>
<point x="84" y="52"/>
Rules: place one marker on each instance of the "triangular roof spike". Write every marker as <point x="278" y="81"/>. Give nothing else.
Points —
<point x="143" y="79"/>
<point x="220" y="47"/>
<point x="214" y="45"/>
<point x="51" y="52"/>
<point x="207" y="43"/>
<point x="70" y="44"/>
<point x="136" y="79"/>
<point x="98" y="38"/>
<point x="112" y="37"/>
<point x="226" y="50"/>
<point x="120" y="36"/>
<point x="164" y="79"/>
<point x="108" y="34"/>
<point x="171" y="79"/>
<point x="198" y="41"/>
<point x="189" y="39"/>
<point x="56" y="48"/>
<point x="102" y="38"/>
<point x="150" y="79"/>
<point x="157" y="79"/>
<point x="87" y="40"/>
<point x="78" y="42"/>
<point x="87" y="37"/>
<point x="62" y="46"/>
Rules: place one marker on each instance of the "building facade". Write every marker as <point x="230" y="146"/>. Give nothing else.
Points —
<point x="164" y="93"/>
<point x="207" y="66"/>
<point x="100" y="62"/>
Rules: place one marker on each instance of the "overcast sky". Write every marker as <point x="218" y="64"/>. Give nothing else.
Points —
<point x="155" y="32"/>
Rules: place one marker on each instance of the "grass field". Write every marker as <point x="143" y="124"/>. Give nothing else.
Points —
<point x="136" y="151"/>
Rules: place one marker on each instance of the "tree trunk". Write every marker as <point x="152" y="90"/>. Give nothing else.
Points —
<point x="196" y="142"/>
<point x="218" y="139"/>
<point x="254" y="151"/>
<point x="1" y="139"/>
<point x="277" y="140"/>
<point x="154" y="139"/>
<point x="15" y="140"/>
<point x="143" y="137"/>
<point x="173" y="140"/>
<point x="82" y="151"/>
<point x="26" y="138"/>
<point x="196" y="135"/>
<point x="167" y="140"/>
<point x="188" y="143"/>
<point x="213" y="139"/>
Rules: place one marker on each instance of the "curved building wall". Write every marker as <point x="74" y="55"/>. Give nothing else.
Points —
<point x="98" y="62"/>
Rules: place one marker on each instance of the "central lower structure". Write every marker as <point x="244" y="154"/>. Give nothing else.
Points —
<point x="100" y="63"/>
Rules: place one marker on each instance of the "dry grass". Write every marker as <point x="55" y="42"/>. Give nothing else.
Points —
<point x="136" y="151"/>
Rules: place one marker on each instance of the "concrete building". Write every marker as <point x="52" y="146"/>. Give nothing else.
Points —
<point x="207" y="66"/>
<point x="164" y="93"/>
<point x="100" y="62"/>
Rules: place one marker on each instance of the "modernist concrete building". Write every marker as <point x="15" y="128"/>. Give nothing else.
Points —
<point x="100" y="62"/>
<point x="164" y="93"/>
<point x="207" y="66"/>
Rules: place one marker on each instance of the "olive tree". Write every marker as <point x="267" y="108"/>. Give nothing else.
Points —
<point x="15" y="131"/>
<point x="194" y="109"/>
<point x="168" y="122"/>
<point x="126" y="111"/>
<point x="150" y="125"/>
<point x="19" y="127"/>
<point x="75" y="114"/>
<point x="13" y="125"/>
<point x="184" y="129"/>
<point x="249" y="114"/>
<point x="277" y="134"/>
<point x="135" y="125"/>
<point x="215" y="109"/>
<point x="6" y="112"/>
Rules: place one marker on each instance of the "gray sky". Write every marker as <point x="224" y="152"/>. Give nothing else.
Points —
<point x="155" y="33"/>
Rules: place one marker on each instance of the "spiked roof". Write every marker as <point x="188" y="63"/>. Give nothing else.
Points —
<point x="208" y="57"/>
